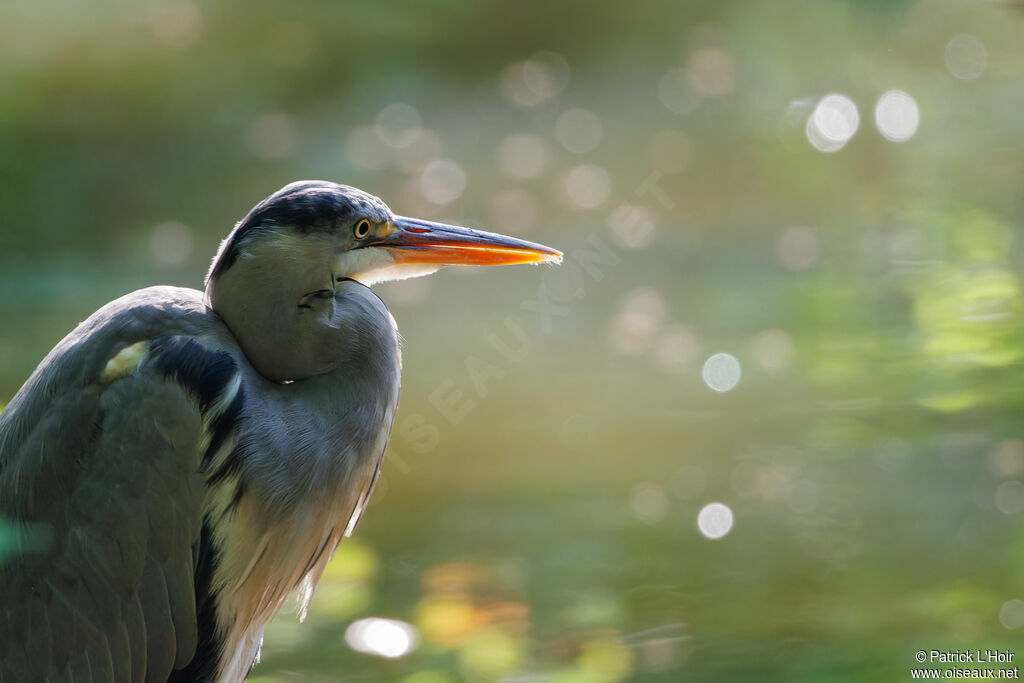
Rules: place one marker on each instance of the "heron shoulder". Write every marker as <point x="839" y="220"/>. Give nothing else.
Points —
<point x="139" y="316"/>
<point x="107" y="345"/>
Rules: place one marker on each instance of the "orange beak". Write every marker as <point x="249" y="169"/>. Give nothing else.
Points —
<point x="414" y="241"/>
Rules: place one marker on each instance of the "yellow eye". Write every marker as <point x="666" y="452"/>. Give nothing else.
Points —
<point x="362" y="229"/>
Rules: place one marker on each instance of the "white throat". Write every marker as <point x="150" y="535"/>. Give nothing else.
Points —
<point x="370" y="265"/>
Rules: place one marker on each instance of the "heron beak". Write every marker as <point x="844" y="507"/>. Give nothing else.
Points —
<point x="414" y="242"/>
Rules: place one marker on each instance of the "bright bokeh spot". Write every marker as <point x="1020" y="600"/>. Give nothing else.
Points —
<point x="532" y="82"/>
<point x="443" y="181"/>
<point x="1010" y="497"/>
<point x="897" y="116"/>
<point x="588" y="186"/>
<point x="398" y="125"/>
<point x="546" y="73"/>
<point x="715" y="520"/>
<point x="966" y="57"/>
<point x="1011" y="614"/>
<point x="721" y="372"/>
<point x="388" y="638"/>
<point x="832" y="123"/>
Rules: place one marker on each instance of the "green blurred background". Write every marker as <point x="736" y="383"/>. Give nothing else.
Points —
<point x="725" y="178"/>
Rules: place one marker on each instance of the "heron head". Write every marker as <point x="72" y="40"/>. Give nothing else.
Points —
<point x="284" y="261"/>
<point x="321" y="223"/>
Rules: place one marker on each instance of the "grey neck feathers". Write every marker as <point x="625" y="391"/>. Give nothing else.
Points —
<point x="294" y="321"/>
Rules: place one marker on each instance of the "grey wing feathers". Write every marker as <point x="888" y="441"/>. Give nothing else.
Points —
<point x="100" y="485"/>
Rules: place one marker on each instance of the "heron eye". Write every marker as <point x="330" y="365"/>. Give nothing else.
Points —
<point x="362" y="229"/>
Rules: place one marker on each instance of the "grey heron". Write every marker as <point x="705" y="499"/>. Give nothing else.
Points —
<point x="183" y="460"/>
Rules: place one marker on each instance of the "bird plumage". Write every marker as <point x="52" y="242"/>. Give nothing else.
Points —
<point x="166" y="502"/>
<point x="184" y="460"/>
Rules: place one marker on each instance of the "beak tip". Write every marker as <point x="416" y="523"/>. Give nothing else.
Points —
<point x="554" y="258"/>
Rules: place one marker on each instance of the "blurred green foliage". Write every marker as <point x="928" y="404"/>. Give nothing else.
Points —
<point x="872" y="452"/>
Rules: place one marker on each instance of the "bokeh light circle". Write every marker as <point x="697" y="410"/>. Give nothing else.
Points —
<point x="721" y="372"/>
<point x="532" y="82"/>
<point x="897" y="116"/>
<point x="965" y="57"/>
<point x="398" y="125"/>
<point x="546" y="73"/>
<point x="832" y="123"/>
<point x="387" y="638"/>
<point x="443" y="181"/>
<point x="588" y="185"/>
<point x="1010" y="497"/>
<point x="715" y="520"/>
<point x="1011" y="614"/>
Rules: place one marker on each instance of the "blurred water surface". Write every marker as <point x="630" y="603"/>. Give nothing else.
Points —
<point x="763" y="424"/>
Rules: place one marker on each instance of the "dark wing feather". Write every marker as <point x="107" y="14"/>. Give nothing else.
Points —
<point x="100" y="485"/>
